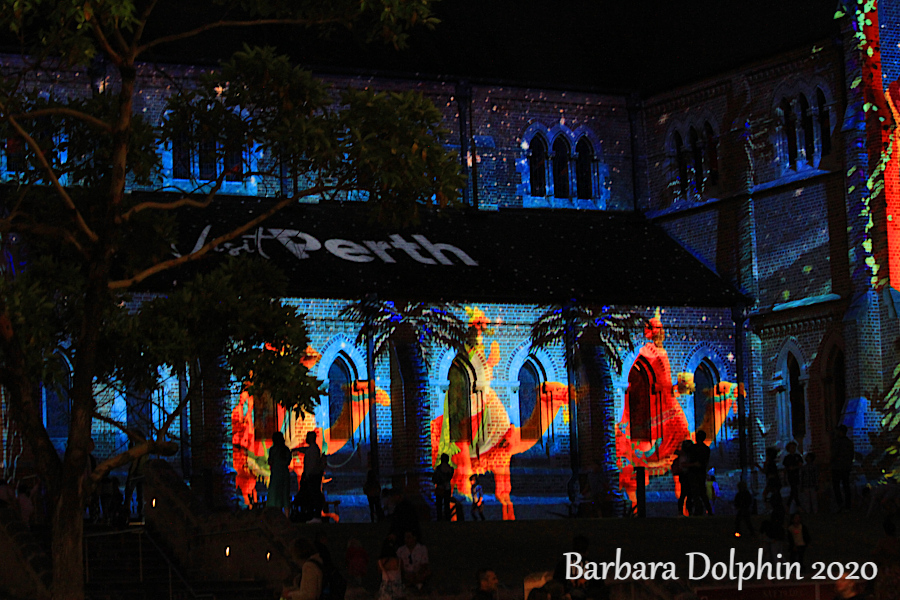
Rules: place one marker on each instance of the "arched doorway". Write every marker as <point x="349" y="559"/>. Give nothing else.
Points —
<point x="797" y="399"/>
<point x="340" y="380"/>
<point x="706" y="378"/>
<point x="459" y="401"/>
<point x="641" y="382"/>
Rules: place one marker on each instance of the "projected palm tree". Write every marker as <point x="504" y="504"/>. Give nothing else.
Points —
<point x="403" y="331"/>
<point x="595" y="338"/>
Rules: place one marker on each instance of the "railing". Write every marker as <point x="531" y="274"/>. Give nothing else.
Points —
<point x="174" y="576"/>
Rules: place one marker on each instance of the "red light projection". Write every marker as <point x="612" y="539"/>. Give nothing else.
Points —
<point x="493" y="439"/>
<point x="653" y="422"/>
<point x="252" y="427"/>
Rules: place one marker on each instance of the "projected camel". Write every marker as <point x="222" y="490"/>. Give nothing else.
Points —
<point x="652" y="444"/>
<point x="250" y="453"/>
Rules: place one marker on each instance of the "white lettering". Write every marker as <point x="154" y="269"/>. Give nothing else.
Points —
<point x="620" y="565"/>
<point x="289" y="237"/>
<point x="380" y="250"/>
<point x="348" y="251"/>
<point x="669" y="571"/>
<point x="410" y="248"/>
<point x="437" y="251"/>
<point x="573" y="560"/>
<point x="691" y="574"/>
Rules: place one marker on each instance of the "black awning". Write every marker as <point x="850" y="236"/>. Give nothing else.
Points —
<point x="526" y="256"/>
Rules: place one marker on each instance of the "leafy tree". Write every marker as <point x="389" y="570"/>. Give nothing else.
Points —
<point x="403" y="330"/>
<point x="594" y="338"/>
<point x="87" y="243"/>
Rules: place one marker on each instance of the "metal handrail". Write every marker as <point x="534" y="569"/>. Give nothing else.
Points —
<point x="172" y="568"/>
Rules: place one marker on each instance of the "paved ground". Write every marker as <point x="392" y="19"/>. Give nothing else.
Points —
<point x="516" y="548"/>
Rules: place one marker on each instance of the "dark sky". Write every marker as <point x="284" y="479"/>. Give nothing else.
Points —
<point x="624" y="45"/>
<point x="586" y="44"/>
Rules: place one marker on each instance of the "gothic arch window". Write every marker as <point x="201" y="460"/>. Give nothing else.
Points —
<point x="796" y="397"/>
<point x="806" y="124"/>
<point x="706" y="378"/>
<point x="697" y="159"/>
<point x="459" y="400"/>
<point x="803" y="132"/>
<point x="712" y="154"/>
<point x="584" y="169"/>
<point x="560" y="168"/>
<point x="537" y="165"/>
<point x="531" y="377"/>
<point x="340" y="384"/>
<point x="824" y="122"/>
<point x="681" y="159"/>
<point x="789" y="132"/>
<point x="640" y="390"/>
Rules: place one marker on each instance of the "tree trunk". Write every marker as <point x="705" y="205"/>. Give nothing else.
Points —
<point x="211" y="487"/>
<point x="416" y="408"/>
<point x="600" y="403"/>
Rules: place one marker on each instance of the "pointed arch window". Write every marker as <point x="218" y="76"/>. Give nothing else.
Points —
<point x="706" y="378"/>
<point x="340" y="382"/>
<point x="459" y="401"/>
<point x="796" y="397"/>
<point x="640" y="387"/>
<point x="697" y="156"/>
<point x="537" y="166"/>
<point x="561" y="168"/>
<point x="531" y="377"/>
<point x="789" y="131"/>
<point x="824" y="122"/>
<point x="681" y="159"/>
<point x="584" y="169"/>
<point x="806" y="122"/>
<point x="712" y="154"/>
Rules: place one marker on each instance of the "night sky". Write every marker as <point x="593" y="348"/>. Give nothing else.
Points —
<point x="585" y="44"/>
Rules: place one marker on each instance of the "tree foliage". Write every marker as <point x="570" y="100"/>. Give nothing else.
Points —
<point x="82" y="247"/>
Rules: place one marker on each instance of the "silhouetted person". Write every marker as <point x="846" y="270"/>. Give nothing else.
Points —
<point x="743" y="505"/>
<point x="279" y="460"/>
<point x="842" y="454"/>
<point x="442" y="478"/>
<point x="372" y="490"/>
<point x="700" y="458"/>
<point x="793" y="462"/>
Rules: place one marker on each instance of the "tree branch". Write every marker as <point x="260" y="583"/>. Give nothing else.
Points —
<point x="63" y="194"/>
<point x="132" y="454"/>
<point x="220" y="24"/>
<point x="122" y="284"/>
<point x="68" y="112"/>
<point x="142" y="22"/>
<point x="114" y="56"/>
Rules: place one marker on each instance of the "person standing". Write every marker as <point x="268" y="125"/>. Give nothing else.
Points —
<point x="442" y="478"/>
<point x="798" y="540"/>
<point x="477" y="497"/>
<point x="792" y="463"/>
<point x="279" y="460"/>
<point x="743" y="505"/>
<point x="372" y="490"/>
<point x="809" y="484"/>
<point x="842" y="454"/>
<point x="700" y="459"/>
